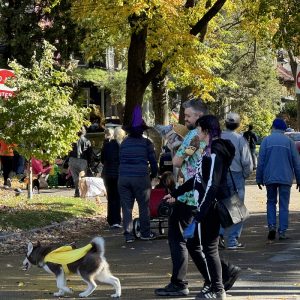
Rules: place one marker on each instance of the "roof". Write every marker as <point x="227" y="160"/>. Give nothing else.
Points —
<point x="284" y="74"/>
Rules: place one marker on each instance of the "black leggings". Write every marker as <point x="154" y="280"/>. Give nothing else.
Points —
<point x="113" y="200"/>
<point x="7" y="167"/>
<point x="205" y="254"/>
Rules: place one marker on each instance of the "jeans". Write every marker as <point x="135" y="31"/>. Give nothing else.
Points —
<point x="284" y="200"/>
<point x="234" y="232"/>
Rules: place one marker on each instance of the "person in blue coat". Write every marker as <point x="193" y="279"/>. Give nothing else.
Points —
<point x="278" y="164"/>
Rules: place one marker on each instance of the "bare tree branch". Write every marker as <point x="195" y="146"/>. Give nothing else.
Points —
<point x="207" y="17"/>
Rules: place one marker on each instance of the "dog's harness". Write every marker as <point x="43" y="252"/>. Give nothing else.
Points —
<point x="66" y="255"/>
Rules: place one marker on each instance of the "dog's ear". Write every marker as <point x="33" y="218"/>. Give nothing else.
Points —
<point x="29" y="247"/>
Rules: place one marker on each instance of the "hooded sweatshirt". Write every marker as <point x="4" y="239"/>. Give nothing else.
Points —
<point x="210" y="182"/>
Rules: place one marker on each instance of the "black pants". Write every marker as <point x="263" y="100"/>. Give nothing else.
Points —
<point x="139" y="188"/>
<point x="113" y="200"/>
<point x="7" y="167"/>
<point x="204" y="251"/>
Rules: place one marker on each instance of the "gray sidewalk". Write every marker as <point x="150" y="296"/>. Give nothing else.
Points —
<point x="270" y="271"/>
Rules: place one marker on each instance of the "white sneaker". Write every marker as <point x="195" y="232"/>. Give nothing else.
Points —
<point x="116" y="226"/>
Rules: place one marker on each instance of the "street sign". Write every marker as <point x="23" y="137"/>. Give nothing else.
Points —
<point x="6" y="91"/>
<point x="298" y="80"/>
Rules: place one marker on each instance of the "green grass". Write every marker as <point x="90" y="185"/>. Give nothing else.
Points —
<point x="19" y="213"/>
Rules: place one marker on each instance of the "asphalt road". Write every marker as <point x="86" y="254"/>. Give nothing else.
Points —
<point x="270" y="271"/>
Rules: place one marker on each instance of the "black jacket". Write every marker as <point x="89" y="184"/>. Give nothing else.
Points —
<point x="110" y="159"/>
<point x="210" y="182"/>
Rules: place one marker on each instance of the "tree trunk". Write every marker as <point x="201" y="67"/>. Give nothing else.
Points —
<point x="186" y="94"/>
<point x="298" y="111"/>
<point x="135" y="81"/>
<point x="294" y="65"/>
<point x="29" y="195"/>
<point x="120" y="111"/>
<point x="160" y="99"/>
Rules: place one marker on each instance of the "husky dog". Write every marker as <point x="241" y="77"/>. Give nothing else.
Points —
<point x="91" y="267"/>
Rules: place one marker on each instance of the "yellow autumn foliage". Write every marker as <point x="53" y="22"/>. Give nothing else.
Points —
<point x="168" y="24"/>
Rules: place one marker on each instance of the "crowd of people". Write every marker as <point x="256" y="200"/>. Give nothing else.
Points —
<point x="212" y="163"/>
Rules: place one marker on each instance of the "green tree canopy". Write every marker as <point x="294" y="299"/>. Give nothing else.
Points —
<point x="25" y="23"/>
<point x="41" y="119"/>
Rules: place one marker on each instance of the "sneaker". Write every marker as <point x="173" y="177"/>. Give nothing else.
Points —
<point x="233" y="275"/>
<point x="172" y="290"/>
<point x="272" y="235"/>
<point x="206" y="288"/>
<point x="152" y="236"/>
<point x="115" y="226"/>
<point x="8" y="182"/>
<point x="221" y="295"/>
<point x="35" y="190"/>
<point x="282" y="236"/>
<point x="221" y="242"/>
<point x="129" y="239"/>
<point x="18" y="191"/>
<point x="236" y="247"/>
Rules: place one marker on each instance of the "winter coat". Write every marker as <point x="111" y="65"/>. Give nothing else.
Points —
<point x="278" y="160"/>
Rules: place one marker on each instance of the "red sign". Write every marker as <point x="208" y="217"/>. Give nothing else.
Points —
<point x="298" y="81"/>
<point x="6" y="91"/>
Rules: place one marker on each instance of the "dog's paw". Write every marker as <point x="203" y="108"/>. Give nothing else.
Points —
<point x="83" y="295"/>
<point x="116" y="295"/>
<point x="58" y="294"/>
<point x="68" y="290"/>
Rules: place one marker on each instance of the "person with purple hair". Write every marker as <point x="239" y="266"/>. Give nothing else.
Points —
<point x="183" y="213"/>
<point x="208" y="185"/>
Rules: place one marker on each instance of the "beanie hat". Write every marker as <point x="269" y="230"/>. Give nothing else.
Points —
<point x="233" y="118"/>
<point x="279" y="124"/>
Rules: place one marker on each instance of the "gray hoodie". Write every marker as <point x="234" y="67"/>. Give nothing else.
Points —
<point x="242" y="161"/>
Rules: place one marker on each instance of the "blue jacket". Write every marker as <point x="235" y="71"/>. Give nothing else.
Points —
<point x="135" y="155"/>
<point x="278" y="160"/>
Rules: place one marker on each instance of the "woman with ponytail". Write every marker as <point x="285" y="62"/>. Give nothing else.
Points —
<point x="209" y="185"/>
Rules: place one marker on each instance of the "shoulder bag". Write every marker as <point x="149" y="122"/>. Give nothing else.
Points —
<point x="231" y="209"/>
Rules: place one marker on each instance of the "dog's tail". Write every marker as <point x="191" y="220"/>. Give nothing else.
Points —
<point x="98" y="242"/>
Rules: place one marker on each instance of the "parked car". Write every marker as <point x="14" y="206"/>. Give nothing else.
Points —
<point x="295" y="136"/>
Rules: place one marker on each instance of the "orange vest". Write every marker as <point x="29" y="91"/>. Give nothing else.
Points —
<point x="5" y="149"/>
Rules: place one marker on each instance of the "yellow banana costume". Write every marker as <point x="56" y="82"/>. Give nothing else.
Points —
<point x="66" y="254"/>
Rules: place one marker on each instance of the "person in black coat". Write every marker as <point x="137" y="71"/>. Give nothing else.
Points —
<point x="110" y="175"/>
<point x="209" y="185"/>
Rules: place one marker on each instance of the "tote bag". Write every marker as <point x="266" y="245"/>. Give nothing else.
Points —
<point x="231" y="209"/>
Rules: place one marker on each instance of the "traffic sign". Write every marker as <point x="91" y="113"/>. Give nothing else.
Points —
<point x="6" y="91"/>
<point x="298" y="80"/>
